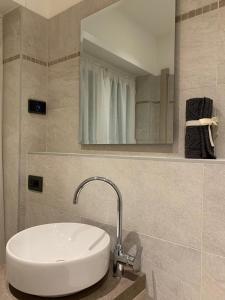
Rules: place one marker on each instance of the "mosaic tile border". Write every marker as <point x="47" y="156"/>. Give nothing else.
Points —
<point x="35" y="60"/>
<point x="40" y="62"/>
<point x="200" y="11"/>
<point x="7" y="60"/>
<point x="63" y="59"/>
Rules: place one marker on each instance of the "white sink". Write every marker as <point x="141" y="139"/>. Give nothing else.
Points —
<point x="57" y="259"/>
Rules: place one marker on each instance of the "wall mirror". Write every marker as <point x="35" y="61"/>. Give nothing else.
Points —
<point x="127" y="73"/>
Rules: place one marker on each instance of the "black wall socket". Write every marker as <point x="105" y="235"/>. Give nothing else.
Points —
<point x="35" y="183"/>
<point x="36" y="107"/>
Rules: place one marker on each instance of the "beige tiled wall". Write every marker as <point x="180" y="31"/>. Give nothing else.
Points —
<point x="200" y="63"/>
<point x="24" y="33"/>
<point x="63" y="114"/>
<point x="11" y="119"/>
<point x="34" y="85"/>
<point x="175" y="207"/>
<point x="11" y="34"/>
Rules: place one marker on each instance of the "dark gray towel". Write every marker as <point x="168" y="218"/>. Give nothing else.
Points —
<point x="197" y="142"/>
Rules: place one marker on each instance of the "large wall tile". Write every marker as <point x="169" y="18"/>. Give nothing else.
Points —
<point x="63" y="84"/>
<point x="213" y="277"/>
<point x="214" y="209"/>
<point x="181" y="263"/>
<point x="63" y="105"/>
<point x="64" y="33"/>
<point x="206" y="35"/>
<point x="164" y="213"/>
<point x="34" y="86"/>
<point x="11" y="127"/>
<point x="173" y="272"/>
<point x="12" y="33"/>
<point x="63" y="130"/>
<point x="172" y="213"/>
<point x="196" y="67"/>
<point x="38" y="214"/>
<point x="35" y="35"/>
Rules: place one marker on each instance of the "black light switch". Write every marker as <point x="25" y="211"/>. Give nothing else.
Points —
<point x="35" y="183"/>
<point x="36" y="107"/>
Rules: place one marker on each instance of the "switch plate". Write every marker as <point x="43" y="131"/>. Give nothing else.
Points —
<point x="36" y="107"/>
<point x="35" y="183"/>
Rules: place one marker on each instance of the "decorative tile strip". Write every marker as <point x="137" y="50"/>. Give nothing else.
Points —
<point x="35" y="60"/>
<point x="63" y="59"/>
<point x="7" y="60"/>
<point x="40" y="62"/>
<point x="200" y="11"/>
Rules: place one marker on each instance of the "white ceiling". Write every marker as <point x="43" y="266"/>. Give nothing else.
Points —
<point x="157" y="16"/>
<point x="6" y="6"/>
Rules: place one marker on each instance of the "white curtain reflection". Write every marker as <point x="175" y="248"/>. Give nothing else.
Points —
<point x="107" y="104"/>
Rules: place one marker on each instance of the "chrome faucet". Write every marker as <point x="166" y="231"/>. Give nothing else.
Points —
<point x="119" y="257"/>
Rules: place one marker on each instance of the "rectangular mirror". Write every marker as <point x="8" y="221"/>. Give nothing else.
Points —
<point x="127" y="73"/>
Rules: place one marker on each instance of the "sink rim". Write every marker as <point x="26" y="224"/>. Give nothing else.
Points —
<point x="54" y="263"/>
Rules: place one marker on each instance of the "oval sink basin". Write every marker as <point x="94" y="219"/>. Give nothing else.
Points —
<point x="57" y="259"/>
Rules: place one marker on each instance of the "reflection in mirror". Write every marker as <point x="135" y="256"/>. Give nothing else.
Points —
<point x="127" y="74"/>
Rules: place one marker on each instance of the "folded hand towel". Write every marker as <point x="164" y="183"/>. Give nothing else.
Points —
<point x="197" y="138"/>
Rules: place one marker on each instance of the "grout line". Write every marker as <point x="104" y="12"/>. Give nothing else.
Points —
<point x="202" y="227"/>
<point x="165" y="241"/>
<point x="216" y="255"/>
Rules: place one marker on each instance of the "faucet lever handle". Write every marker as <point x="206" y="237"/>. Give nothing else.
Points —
<point x="137" y="261"/>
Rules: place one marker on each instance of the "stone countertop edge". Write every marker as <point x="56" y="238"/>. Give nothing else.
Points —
<point x="168" y="158"/>
<point x="109" y="288"/>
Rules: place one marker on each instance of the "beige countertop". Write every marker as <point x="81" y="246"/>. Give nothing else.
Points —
<point x="109" y="288"/>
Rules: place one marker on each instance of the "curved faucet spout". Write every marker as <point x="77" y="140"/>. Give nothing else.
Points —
<point x="119" y="203"/>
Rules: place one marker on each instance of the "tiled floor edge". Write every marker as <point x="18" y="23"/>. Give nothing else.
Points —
<point x="200" y="11"/>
